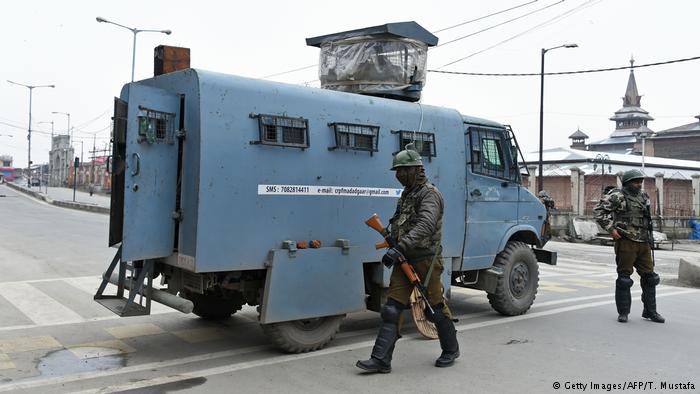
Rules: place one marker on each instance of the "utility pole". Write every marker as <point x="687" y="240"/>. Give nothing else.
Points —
<point x="29" y="128"/>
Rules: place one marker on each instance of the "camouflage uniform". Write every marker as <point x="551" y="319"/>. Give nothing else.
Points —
<point x="627" y="211"/>
<point x="417" y="225"/>
<point x="415" y="235"/>
<point x="548" y="203"/>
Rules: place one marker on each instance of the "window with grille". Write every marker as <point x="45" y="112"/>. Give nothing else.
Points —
<point x="282" y="131"/>
<point x="355" y="137"/>
<point x="488" y="156"/>
<point x="156" y="126"/>
<point x="424" y="142"/>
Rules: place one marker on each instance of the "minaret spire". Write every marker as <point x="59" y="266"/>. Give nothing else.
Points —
<point x="632" y="97"/>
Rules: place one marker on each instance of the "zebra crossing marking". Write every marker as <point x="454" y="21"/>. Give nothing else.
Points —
<point x="37" y="305"/>
<point x="554" y="286"/>
<point x="5" y="362"/>
<point x="26" y="344"/>
<point x="591" y="284"/>
<point x="112" y="347"/>
<point x="134" y="330"/>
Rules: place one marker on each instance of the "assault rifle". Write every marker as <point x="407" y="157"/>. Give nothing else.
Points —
<point x="375" y="223"/>
<point x="650" y="231"/>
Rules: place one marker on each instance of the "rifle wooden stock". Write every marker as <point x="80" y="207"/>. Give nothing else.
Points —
<point x="381" y="245"/>
<point x="409" y="272"/>
<point x="376" y="224"/>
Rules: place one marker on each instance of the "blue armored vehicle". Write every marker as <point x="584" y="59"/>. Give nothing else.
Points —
<point x="220" y="183"/>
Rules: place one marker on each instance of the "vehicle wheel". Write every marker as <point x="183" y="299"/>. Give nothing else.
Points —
<point x="213" y="306"/>
<point x="305" y="335"/>
<point x="517" y="288"/>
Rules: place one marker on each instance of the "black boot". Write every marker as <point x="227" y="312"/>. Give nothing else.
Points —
<point x="380" y="361"/>
<point x="623" y="298"/>
<point x="448" y="338"/>
<point x="649" y="282"/>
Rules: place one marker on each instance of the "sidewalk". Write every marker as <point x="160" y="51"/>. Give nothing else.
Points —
<point x="63" y="197"/>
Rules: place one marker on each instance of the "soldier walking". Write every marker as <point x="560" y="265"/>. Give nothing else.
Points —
<point x="416" y="229"/>
<point x="625" y="214"/>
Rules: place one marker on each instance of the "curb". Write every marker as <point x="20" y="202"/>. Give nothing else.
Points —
<point x="58" y="203"/>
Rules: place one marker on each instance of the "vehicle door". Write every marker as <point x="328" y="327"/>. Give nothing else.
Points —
<point x="150" y="173"/>
<point x="492" y="193"/>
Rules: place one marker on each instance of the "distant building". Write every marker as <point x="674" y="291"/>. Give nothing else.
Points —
<point x="630" y="122"/>
<point x="60" y="159"/>
<point x="5" y="161"/>
<point x="575" y="179"/>
<point x="578" y="140"/>
<point x="681" y="142"/>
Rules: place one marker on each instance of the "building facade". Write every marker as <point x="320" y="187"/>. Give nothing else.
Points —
<point x="60" y="160"/>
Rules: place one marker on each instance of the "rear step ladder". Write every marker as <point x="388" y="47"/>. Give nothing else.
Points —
<point x="139" y="282"/>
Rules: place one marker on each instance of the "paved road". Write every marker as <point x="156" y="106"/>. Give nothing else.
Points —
<point x="55" y="339"/>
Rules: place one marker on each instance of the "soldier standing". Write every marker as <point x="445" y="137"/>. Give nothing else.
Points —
<point x="548" y="203"/>
<point x="624" y="213"/>
<point x="416" y="230"/>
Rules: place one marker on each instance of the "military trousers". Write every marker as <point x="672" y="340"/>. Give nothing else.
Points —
<point x="630" y="254"/>
<point x="400" y="288"/>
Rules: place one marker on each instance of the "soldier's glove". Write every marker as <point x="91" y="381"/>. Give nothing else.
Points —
<point x="393" y="256"/>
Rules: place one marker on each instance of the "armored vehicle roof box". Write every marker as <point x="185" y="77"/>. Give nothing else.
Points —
<point x="386" y="60"/>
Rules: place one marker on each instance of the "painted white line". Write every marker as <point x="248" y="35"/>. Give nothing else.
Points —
<point x="79" y="278"/>
<point x="37" y="305"/>
<point x="280" y="359"/>
<point x="332" y="350"/>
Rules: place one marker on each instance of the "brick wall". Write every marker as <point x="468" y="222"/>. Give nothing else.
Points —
<point x="678" y="197"/>
<point x="684" y="148"/>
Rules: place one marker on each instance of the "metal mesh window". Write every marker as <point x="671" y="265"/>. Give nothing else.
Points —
<point x="424" y="142"/>
<point x="355" y="137"/>
<point x="487" y="153"/>
<point x="156" y="126"/>
<point x="282" y="131"/>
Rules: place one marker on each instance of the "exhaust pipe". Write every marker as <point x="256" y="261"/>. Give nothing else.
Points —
<point x="160" y="296"/>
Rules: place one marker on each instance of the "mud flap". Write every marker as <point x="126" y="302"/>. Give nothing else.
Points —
<point x="309" y="283"/>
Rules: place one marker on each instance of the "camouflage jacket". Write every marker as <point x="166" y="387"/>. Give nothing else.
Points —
<point x="625" y="212"/>
<point x="417" y="222"/>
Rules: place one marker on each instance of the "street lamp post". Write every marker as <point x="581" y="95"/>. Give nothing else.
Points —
<point x="540" y="180"/>
<point x="602" y="159"/>
<point x="643" y="136"/>
<point x="135" y="31"/>
<point x="29" y="129"/>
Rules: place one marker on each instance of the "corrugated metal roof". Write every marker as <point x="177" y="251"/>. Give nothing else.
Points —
<point x="410" y="30"/>
<point x="560" y="161"/>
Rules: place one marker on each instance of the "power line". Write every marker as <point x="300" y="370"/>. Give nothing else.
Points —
<point x="568" y="72"/>
<point x="547" y="22"/>
<point x="290" y="71"/>
<point x="500" y="24"/>
<point x="93" y="119"/>
<point x="484" y="17"/>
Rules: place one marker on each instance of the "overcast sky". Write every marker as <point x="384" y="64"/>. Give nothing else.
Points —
<point x="59" y="42"/>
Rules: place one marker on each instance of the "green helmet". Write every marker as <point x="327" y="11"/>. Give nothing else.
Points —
<point x="406" y="158"/>
<point x="631" y="175"/>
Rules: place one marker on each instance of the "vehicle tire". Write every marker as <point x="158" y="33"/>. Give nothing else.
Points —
<point x="213" y="306"/>
<point x="305" y="335"/>
<point x="517" y="288"/>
